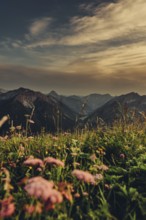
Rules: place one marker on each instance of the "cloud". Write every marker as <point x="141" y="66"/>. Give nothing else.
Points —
<point x="46" y="80"/>
<point x="123" y="21"/>
<point x="110" y="21"/>
<point x="103" y="50"/>
<point x="41" y="43"/>
<point x="39" y="26"/>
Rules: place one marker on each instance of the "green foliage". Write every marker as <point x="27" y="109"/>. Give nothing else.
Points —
<point x="119" y="195"/>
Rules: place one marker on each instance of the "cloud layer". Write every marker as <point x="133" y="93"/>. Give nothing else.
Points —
<point x="104" y="48"/>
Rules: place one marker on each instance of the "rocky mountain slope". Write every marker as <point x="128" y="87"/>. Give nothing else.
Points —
<point x="117" y="107"/>
<point x="55" y="112"/>
<point x="82" y="105"/>
<point x="24" y="104"/>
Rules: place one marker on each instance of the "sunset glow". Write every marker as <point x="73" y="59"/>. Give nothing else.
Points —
<point x="73" y="47"/>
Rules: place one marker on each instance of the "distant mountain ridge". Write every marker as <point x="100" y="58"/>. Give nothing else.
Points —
<point x="83" y="105"/>
<point x="111" y="110"/>
<point x="55" y="112"/>
<point x="47" y="114"/>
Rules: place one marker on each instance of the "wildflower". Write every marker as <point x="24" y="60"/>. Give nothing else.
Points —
<point x="23" y="181"/>
<point x="7" y="207"/>
<point x="85" y="194"/>
<point x="77" y="195"/>
<point x="66" y="133"/>
<point x="103" y="167"/>
<point x="84" y="176"/>
<point x="54" y="138"/>
<point x="51" y="160"/>
<point x="33" y="162"/>
<point x="39" y="169"/>
<point x="74" y="141"/>
<point x="66" y="189"/>
<point x="30" y="138"/>
<point x="43" y="189"/>
<point x="30" y="209"/>
<point x="6" y="137"/>
<point x="122" y="156"/>
<point x="21" y="148"/>
<point x="101" y="151"/>
<point x="39" y="187"/>
<point x="54" y="198"/>
<point x="98" y="176"/>
<point x="107" y="186"/>
<point x="93" y="157"/>
<point x="12" y="128"/>
<point x="18" y="127"/>
<point x="12" y="164"/>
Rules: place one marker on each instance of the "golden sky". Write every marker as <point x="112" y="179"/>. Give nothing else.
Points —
<point x="98" y="47"/>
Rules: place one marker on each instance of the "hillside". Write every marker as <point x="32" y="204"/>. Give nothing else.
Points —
<point x="51" y="112"/>
<point x="83" y="105"/>
<point x="117" y="107"/>
<point x="54" y="112"/>
<point x="44" y="111"/>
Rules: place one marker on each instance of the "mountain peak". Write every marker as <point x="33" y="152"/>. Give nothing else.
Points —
<point x="132" y="94"/>
<point x="53" y="93"/>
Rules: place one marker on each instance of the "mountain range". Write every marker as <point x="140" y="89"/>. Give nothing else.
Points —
<point x="118" y="107"/>
<point x="55" y="112"/>
<point x="82" y="105"/>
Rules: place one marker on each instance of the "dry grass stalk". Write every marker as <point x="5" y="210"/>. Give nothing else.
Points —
<point x="3" y="120"/>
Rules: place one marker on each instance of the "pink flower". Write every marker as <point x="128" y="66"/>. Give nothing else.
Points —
<point x="54" y="161"/>
<point x="43" y="189"/>
<point x="54" y="198"/>
<point x="7" y="208"/>
<point x="33" y="162"/>
<point x="84" y="176"/>
<point x="39" y="187"/>
<point x="122" y="156"/>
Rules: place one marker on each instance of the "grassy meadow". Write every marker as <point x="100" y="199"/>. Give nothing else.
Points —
<point x="85" y="175"/>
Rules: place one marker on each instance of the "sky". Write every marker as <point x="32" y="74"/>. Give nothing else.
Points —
<point x="73" y="46"/>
